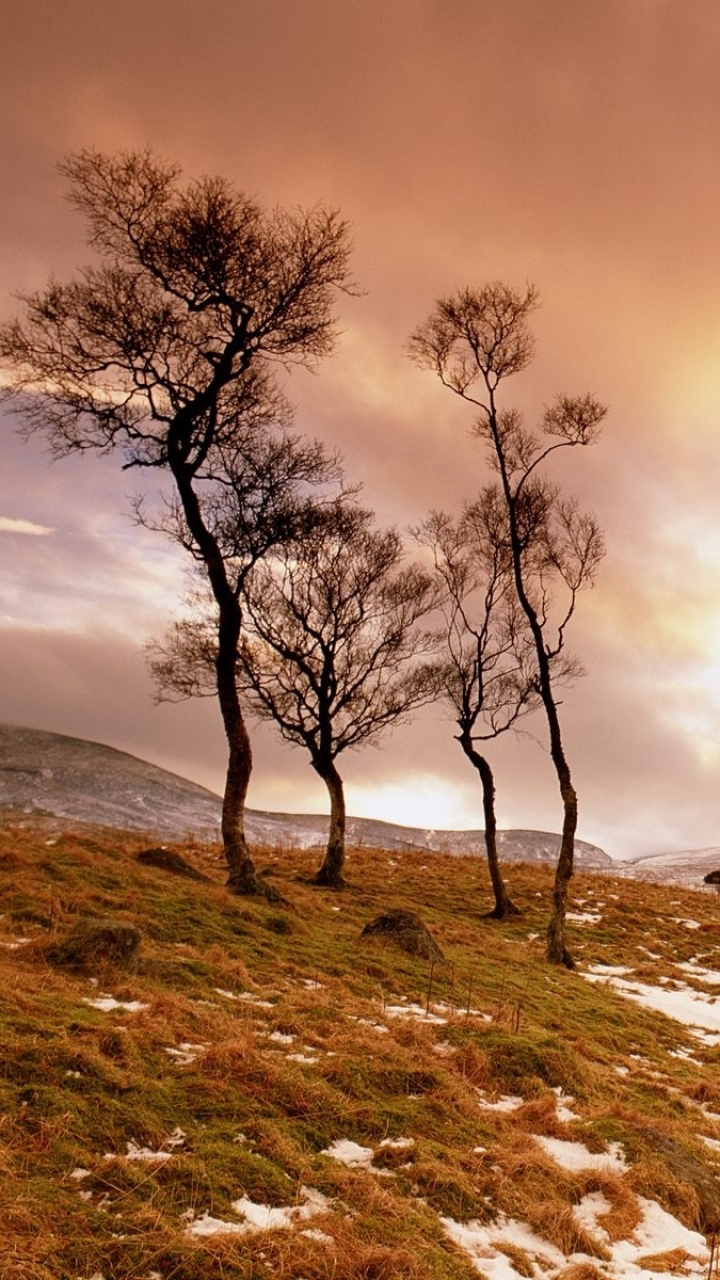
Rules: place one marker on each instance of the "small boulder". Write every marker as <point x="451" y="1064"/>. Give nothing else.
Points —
<point x="407" y="930"/>
<point x="168" y="860"/>
<point x="95" y="944"/>
<point x="712" y="877"/>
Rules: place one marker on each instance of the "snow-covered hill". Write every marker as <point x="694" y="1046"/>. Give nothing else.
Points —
<point x="49" y="773"/>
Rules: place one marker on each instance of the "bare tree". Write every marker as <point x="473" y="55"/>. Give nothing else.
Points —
<point x="488" y="674"/>
<point x="162" y="348"/>
<point x="333" y="653"/>
<point x="473" y="341"/>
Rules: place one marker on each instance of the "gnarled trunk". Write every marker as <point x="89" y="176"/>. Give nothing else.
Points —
<point x="504" y="905"/>
<point x="330" y="873"/>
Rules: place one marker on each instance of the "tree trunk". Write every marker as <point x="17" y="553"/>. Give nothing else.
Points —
<point x="242" y="877"/>
<point x="557" y="952"/>
<point x="330" y="873"/>
<point x="504" y="905"/>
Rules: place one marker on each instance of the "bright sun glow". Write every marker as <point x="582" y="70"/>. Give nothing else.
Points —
<point x="420" y="800"/>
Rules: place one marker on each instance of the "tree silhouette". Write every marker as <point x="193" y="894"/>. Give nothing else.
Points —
<point x="473" y="341"/>
<point x="333" y="652"/>
<point x="487" y="674"/>
<point x="163" y="348"/>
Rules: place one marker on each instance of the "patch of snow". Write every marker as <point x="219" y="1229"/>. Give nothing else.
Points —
<point x="398" y="1144"/>
<point x="375" y="1026"/>
<point x="695" y="970"/>
<point x="261" y="1217"/>
<point x="479" y="1243"/>
<point x="586" y="1214"/>
<point x="251" y="999"/>
<point x="696" y="1009"/>
<point x="583" y="917"/>
<point x="134" y="1152"/>
<point x="281" y="1037"/>
<point x="417" y="1011"/>
<point x="108" y="1003"/>
<point x="206" y="1225"/>
<point x="186" y="1052"/>
<point x="658" y="1232"/>
<point x="506" y="1103"/>
<point x="302" y="1057"/>
<point x="350" y="1153"/>
<point x="576" y="1157"/>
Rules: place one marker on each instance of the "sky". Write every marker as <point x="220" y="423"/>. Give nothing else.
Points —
<point x="568" y="143"/>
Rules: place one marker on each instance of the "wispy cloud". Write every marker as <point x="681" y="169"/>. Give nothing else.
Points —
<point x="9" y="525"/>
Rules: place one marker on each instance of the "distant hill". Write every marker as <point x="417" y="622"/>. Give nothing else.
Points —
<point x="687" y="866"/>
<point x="49" y="773"/>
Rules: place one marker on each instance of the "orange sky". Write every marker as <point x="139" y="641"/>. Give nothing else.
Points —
<point x="571" y="143"/>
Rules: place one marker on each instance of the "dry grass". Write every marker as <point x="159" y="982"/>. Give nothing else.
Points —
<point x="672" y="1261"/>
<point x="266" y="1036"/>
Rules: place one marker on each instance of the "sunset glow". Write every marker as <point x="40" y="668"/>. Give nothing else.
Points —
<point x="566" y="144"/>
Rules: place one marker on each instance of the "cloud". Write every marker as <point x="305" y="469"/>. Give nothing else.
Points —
<point x="582" y="156"/>
<point x="10" y="525"/>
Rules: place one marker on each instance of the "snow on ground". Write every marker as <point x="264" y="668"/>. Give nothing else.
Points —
<point x="657" y="1233"/>
<point x="186" y="1052"/>
<point x="350" y="1153"/>
<point x="480" y="1243"/>
<point x="504" y="1103"/>
<point x="695" y="970"/>
<point x="107" y="1004"/>
<point x="261" y="1217"/>
<point x="576" y="1157"/>
<point x="697" y="1010"/>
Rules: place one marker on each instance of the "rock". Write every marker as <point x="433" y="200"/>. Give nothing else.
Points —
<point x="408" y="931"/>
<point x="712" y="877"/>
<point x="168" y="860"/>
<point x="95" y="944"/>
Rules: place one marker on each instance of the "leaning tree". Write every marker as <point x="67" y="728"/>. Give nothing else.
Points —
<point x="473" y="341"/>
<point x="162" y="349"/>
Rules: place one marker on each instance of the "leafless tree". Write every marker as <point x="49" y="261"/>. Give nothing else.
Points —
<point x="162" y="349"/>
<point x="488" y="674"/>
<point x="473" y="341"/>
<point x="333" y="651"/>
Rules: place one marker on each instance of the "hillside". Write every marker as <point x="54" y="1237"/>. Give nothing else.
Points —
<point x="263" y="1091"/>
<point x="49" y="773"/>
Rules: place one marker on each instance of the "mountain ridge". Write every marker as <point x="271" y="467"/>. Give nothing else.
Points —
<point x="77" y="779"/>
<point x="60" y="776"/>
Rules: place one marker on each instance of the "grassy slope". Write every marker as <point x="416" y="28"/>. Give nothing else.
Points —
<point x="287" y="1043"/>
